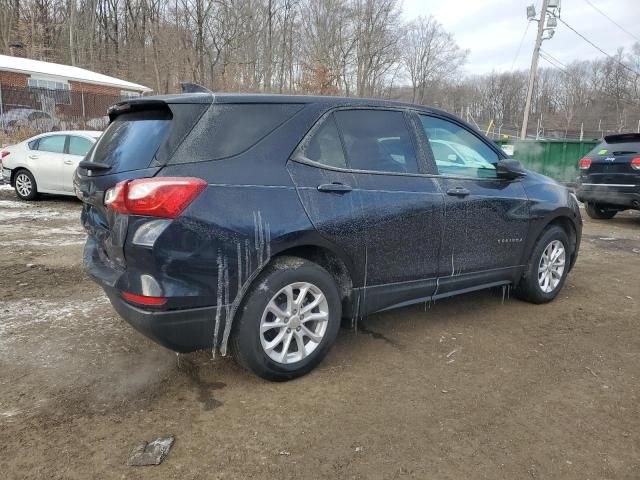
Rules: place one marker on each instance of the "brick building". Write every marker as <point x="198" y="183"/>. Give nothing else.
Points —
<point x="69" y="94"/>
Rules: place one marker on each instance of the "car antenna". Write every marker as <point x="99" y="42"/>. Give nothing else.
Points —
<point x="188" y="87"/>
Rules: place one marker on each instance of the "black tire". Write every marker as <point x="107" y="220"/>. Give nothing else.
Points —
<point x="529" y="288"/>
<point x="245" y="343"/>
<point x="25" y="176"/>
<point x="598" y="212"/>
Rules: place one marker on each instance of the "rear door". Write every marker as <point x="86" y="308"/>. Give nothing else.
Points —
<point x="486" y="217"/>
<point x="46" y="160"/>
<point x="360" y="179"/>
<point x="77" y="148"/>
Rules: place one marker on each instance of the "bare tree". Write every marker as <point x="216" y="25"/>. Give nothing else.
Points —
<point x="430" y="54"/>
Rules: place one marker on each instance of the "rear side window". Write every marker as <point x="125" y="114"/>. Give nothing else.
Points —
<point x="325" y="147"/>
<point x="79" y="146"/>
<point x="52" y="144"/>
<point x="377" y="140"/>
<point x="131" y="141"/>
<point x="226" y="130"/>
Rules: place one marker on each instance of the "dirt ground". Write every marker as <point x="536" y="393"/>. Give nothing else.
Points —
<point x="471" y="387"/>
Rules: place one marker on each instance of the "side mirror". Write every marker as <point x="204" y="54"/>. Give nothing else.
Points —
<point x="510" y="169"/>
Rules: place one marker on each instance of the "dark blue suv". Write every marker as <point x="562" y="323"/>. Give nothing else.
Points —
<point x="256" y="223"/>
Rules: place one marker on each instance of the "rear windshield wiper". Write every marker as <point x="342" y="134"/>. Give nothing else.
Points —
<point x="624" y="152"/>
<point x="94" y="165"/>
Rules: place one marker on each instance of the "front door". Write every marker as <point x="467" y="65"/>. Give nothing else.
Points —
<point x="358" y="178"/>
<point x="486" y="218"/>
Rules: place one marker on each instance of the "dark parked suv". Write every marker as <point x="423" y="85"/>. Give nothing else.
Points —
<point x="609" y="180"/>
<point x="258" y="222"/>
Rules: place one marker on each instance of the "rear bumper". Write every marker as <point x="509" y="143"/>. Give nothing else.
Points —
<point x="184" y="330"/>
<point x="6" y="175"/>
<point x="627" y="196"/>
<point x="181" y="329"/>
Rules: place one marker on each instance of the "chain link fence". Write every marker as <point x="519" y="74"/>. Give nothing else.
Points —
<point x="26" y="111"/>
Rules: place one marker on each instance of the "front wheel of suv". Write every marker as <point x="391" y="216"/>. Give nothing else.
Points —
<point x="548" y="267"/>
<point x="598" y="212"/>
<point x="288" y="321"/>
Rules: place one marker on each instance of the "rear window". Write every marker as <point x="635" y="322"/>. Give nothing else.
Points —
<point x="131" y="141"/>
<point x="621" y="148"/>
<point x="226" y="130"/>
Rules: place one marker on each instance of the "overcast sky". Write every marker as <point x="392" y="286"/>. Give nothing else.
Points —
<point x="492" y="29"/>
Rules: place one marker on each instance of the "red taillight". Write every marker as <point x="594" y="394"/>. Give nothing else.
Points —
<point x="4" y="154"/>
<point x="635" y="163"/>
<point x="164" y="197"/>
<point x="585" y="163"/>
<point x="143" y="300"/>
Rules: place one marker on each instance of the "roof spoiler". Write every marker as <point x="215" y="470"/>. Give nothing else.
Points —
<point x="133" y="105"/>
<point x="622" y="138"/>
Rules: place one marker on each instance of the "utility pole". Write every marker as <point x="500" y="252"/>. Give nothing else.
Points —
<point x="546" y="4"/>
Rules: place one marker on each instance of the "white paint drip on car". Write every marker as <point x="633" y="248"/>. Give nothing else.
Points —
<point x="262" y="251"/>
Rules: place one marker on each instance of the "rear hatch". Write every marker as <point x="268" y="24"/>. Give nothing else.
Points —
<point x="614" y="163"/>
<point x="141" y="137"/>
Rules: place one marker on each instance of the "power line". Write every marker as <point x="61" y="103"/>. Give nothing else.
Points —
<point x="612" y="20"/>
<point x="520" y="45"/>
<point x="551" y="62"/>
<point x="597" y="47"/>
<point x="524" y="34"/>
<point x="553" y="58"/>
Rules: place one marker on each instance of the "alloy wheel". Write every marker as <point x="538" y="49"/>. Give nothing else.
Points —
<point x="294" y="322"/>
<point x="551" y="266"/>
<point x="23" y="184"/>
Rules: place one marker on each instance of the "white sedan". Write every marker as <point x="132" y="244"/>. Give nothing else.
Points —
<point x="46" y="163"/>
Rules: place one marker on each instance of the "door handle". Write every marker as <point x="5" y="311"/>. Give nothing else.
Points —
<point x="334" y="187"/>
<point x="33" y="157"/>
<point x="68" y="162"/>
<point x="458" y="192"/>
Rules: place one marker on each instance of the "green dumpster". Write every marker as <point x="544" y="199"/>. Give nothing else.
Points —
<point x="557" y="159"/>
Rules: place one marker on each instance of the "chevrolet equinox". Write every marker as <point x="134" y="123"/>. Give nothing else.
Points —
<point x="256" y="223"/>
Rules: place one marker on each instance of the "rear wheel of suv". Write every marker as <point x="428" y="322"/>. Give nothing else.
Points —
<point x="288" y="321"/>
<point x="548" y="267"/>
<point x="598" y="212"/>
<point x="25" y="185"/>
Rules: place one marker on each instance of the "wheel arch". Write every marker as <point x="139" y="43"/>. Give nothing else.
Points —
<point x="318" y="254"/>
<point x="14" y="172"/>
<point x="330" y="261"/>
<point x="563" y="220"/>
<point x="19" y="169"/>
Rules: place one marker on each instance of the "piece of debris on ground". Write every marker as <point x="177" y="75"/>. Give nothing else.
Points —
<point x="152" y="453"/>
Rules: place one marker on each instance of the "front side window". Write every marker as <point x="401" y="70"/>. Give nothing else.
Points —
<point x="457" y="151"/>
<point x="325" y="147"/>
<point x="79" y="146"/>
<point x="377" y="140"/>
<point x="52" y="144"/>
